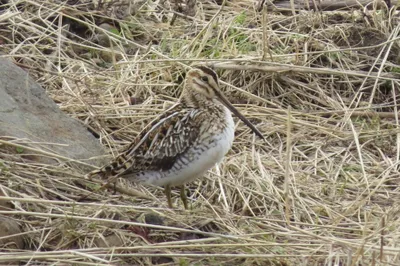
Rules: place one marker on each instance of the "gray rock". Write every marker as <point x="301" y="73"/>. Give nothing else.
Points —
<point x="10" y="231"/>
<point x="27" y="112"/>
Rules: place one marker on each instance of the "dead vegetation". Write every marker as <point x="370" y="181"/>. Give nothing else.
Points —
<point x="321" y="86"/>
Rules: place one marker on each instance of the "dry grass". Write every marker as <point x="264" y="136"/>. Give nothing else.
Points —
<point x="322" y="87"/>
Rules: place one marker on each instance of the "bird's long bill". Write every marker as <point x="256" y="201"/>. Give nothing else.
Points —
<point x="225" y="101"/>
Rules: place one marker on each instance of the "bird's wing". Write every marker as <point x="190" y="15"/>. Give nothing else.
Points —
<point x="159" y="144"/>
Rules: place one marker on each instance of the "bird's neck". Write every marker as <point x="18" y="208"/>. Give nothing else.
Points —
<point x="193" y="99"/>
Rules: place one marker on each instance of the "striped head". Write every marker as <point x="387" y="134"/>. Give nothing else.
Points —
<point x="202" y="85"/>
<point x="202" y="80"/>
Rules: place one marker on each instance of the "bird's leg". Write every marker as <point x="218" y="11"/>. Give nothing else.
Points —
<point x="167" y="191"/>
<point x="115" y="187"/>
<point x="183" y="197"/>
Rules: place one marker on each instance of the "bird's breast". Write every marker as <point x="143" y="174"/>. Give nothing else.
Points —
<point x="210" y="148"/>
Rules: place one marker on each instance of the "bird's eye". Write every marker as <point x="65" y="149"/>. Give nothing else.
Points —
<point x="204" y="78"/>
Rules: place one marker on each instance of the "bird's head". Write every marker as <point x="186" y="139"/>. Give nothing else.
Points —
<point x="203" y="81"/>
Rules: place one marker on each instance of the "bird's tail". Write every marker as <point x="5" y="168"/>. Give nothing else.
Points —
<point x="102" y="173"/>
<point x="116" y="168"/>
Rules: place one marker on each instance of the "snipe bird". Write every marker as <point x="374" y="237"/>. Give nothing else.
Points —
<point x="183" y="142"/>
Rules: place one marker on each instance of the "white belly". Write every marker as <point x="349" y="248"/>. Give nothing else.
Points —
<point x="204" y="158"/>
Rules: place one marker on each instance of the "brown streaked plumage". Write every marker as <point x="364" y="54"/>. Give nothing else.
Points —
<point x="183" y="142"/>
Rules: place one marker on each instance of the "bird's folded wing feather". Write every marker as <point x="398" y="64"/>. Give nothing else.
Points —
<point x="159" y="145"/>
